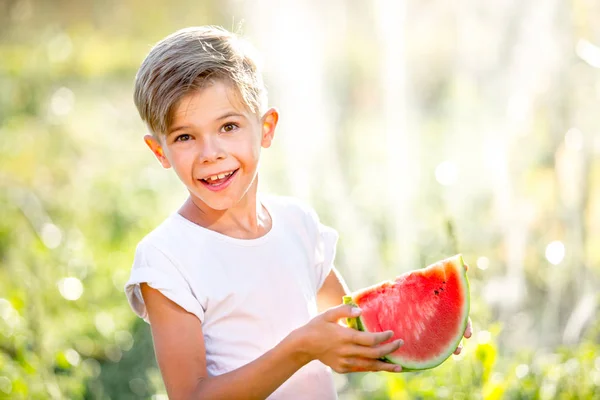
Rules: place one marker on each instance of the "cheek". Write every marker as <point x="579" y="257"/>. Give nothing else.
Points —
<point x="247" y="150"/>
<point x="181" y="159"/>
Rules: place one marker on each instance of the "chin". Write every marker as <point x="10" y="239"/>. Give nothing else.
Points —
<point x="221" y="204"/>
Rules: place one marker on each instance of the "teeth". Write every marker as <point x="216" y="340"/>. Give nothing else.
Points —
<point x="219" y="176"/>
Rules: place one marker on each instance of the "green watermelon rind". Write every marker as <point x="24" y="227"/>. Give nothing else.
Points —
<point x="357" y="323"/>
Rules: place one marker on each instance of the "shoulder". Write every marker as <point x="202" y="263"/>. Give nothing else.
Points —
<point x="290" y="206"/>
<point x="298" y="216"/>
<point x="166" y="238"/>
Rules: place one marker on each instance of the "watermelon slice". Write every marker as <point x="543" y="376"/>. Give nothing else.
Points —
<point x="427" y="308"/>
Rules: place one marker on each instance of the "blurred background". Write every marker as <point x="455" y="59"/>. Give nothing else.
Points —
<point x="418" y="129"/>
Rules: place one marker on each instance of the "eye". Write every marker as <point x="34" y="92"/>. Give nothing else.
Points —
<point x="183" y="138"/>
<point x="229" y="127"/>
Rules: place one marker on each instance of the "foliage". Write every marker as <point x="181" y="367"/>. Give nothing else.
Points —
<point x="78" y="190"/>
<point x="484" y="371"/>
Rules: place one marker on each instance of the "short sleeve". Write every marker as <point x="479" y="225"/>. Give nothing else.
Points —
<point x="325" y="252"/>
<point x="155" y="268"/>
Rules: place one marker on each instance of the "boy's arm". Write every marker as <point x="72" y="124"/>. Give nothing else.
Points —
<point x="181" y="354"/>
<point x="332" y="291"/>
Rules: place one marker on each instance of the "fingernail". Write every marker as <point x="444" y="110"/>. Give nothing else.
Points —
<point x="398" y="369"/>
<point x="356" y="312"/>
<point x="400" y="342"/>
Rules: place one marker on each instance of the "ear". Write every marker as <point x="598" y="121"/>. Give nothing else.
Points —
<point x="157" y="150"/>
<point x="269" y="123"/>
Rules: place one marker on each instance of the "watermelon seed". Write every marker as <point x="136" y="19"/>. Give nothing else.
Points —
<point x="436" y="292"/>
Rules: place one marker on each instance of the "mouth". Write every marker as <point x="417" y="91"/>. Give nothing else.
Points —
<point x="219" y="181"/>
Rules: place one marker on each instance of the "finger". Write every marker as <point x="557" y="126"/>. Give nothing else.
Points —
<point x="375" y="352"/>
<point x="366" y="365"/>
<point x="469" y="329"/>
<point x="342" y="311"/>
<point x="377" y="365"/>
<point x="458" y="349"/>
<point x="370" y="339"/>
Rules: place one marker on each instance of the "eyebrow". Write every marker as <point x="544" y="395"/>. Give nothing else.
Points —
<point x="230" y="114"/>
<point x="222" y="117"/>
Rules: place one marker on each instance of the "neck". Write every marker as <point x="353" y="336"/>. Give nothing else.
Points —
<point x="246" y="220"/>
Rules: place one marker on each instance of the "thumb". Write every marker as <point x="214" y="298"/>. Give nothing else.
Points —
<point x="342" y="311"/>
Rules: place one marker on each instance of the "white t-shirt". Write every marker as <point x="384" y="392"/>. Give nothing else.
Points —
<point x="248" y="294"/>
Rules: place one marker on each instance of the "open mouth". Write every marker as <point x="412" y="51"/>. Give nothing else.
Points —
<point x="219" y="181"/>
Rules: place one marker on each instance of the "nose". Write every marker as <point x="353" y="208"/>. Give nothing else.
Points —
<point x="211" y="150"/>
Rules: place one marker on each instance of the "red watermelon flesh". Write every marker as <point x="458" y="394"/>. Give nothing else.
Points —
<point x="427" y="308"/>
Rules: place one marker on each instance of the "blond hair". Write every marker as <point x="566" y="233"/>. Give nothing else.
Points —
<point x="188" y="60"/>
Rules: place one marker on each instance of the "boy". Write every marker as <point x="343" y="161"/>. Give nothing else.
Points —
<point x="232" y="283"/>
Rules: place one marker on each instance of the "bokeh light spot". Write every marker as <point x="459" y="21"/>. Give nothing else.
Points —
<point x="555" y="252"/>
<point x="372" y="382"/>
<point x="572" y="366"/>
<point x="105" y="323"/>
<point x="483" y="337"/>
<point x="124" y="340"/>
<point x="59" y="47"/>
<point x="113" y="352"/>
<point x="51" y="235"/>
<point x="62" y="101"/>
<point x="138" y="386"/>
<point x="483" y="263"/>
<point x="92" y="367"/>
<point x="70" y="288"/>
<point x="5" y="385"/>
<point x="595" y="376"/>
<point x="522" y="370"/>
<point x="5" y="308"/>
<point x="85" y="345"/>
<point x="72" y="357"/>
<point x="446" y="173"/>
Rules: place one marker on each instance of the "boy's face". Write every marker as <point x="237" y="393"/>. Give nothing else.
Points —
<point x="214" y="144"/>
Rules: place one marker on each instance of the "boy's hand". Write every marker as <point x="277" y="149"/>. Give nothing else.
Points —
<point x="467" y="334"/>
<point x="344" y="349"/>
<point x="468" y="330"/>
